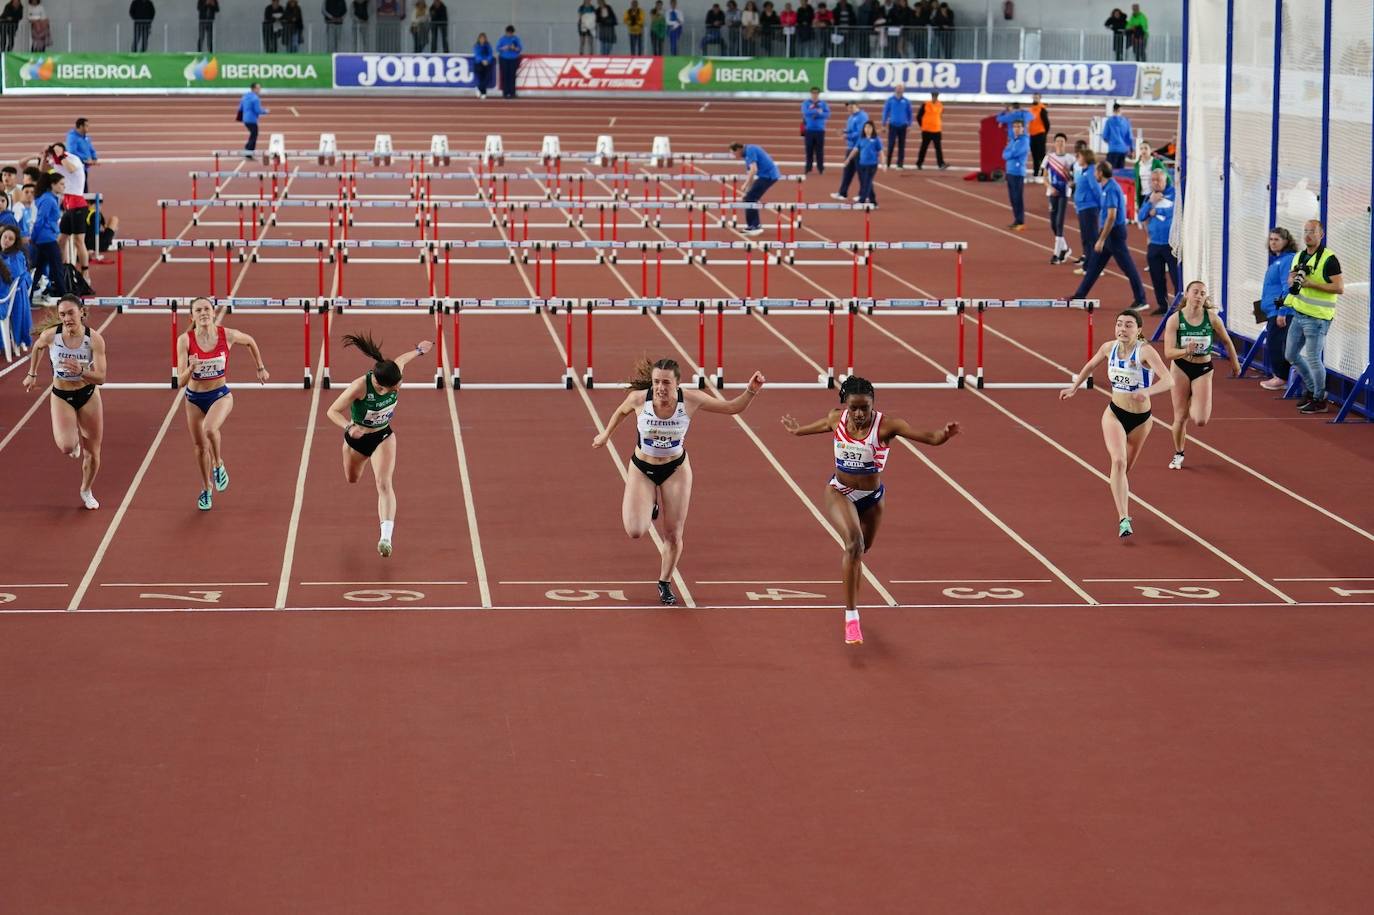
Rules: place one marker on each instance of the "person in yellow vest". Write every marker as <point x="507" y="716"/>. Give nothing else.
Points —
<point x="1313" y="285"/>
<point x="929" y="116"/>
<point x="1038" y="131"/>
<point x="634" y="24"/>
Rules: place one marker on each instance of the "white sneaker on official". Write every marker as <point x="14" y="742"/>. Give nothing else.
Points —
<point x="751" y="232"/>
<point x="839" y="197"/>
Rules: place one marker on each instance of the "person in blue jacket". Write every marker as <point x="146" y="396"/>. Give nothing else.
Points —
<point x="1157" y="215"/>
<point x="897" y="118"/>
<point x="1112" y="241"/>
<point x="79" y="144"/>
<point x="482" y="57"/>
<point x="815" y="113"/>
<point x="867" y="153"/>
<point x="508" y="51"/>
<point x="14" y="268"/>
<point x="250" y="112"/>
<point x="1117" y="133"/>
<point x="762" y="174"/>
<point x="1012" y="115"/>
<point x="1087" y="203"/>
<point x="1282" y="249"/>
<point x="47" y="256"/>
<point x="853" y="128"/>
<point x="1015" y="153"/>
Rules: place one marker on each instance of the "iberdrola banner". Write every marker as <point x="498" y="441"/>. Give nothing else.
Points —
<point x="164" y="72"/>
<point x="742" y="74"/>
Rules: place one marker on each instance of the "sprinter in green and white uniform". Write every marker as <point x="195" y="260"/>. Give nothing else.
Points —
<point x="1188" y="338"/>
<point x="364" y="412"/>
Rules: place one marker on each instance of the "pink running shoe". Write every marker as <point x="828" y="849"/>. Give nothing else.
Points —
<point x="853" y="635"/>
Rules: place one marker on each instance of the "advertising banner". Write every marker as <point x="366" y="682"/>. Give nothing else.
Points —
<point x="880" y="75"/>
<point x="1060" y="78"/>
<point x="582" y="74"/>
<point x="135" y="72"/>
<point x="753" y="74"/>
<point x="408" y="71"/>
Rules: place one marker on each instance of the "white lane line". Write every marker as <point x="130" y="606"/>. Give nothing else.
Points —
<point x="974" y="581"/>
<point x="382" y="582"/>
<point x="298" y="498"/>
<point x="295" y="112"/>
<point x="1324" y="579"/>
<point x="778" y="581"/>
<point x="63" y="585"/>
<point x="596" y="582"/>
<point x="479" y="560"/>
<point x="184" y="584"/>
<point x="1161" y="580"/>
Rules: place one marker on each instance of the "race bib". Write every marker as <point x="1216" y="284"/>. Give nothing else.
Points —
<point x="851" y="458"/>
<point x="209" y="368"/>
<point x="1197" y="344"/>
<point x="1121" y="378"/>
<point x="378" y="418"/>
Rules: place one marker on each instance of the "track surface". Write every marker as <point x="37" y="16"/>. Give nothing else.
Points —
<point x="1042" y="718"/>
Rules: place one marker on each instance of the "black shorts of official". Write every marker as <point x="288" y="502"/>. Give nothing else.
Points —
<point x="73" y="221"/>
<point x="1129" y="420"/>
<point x="1194" y="370"/>
<point x="368" y="443"/>
<point x="77" y="398"/>
<point x="658" y="474"/>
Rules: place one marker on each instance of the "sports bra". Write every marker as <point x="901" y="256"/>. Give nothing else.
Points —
<point x="60" y="352"/>
<point x="1128" y="374"/>
<point x="214" y="362"/>
<point x="662" y="438"/>
<point x="859" y="455"/>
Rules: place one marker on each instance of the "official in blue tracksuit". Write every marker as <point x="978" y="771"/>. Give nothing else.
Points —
<point x="1015" y="153"/>
<point x="867" y="153"/>
<point x="1116" y="133"/>
<point x="853" y="129"/>
<point x="1112" y="242"/>
<point x="483" y="57"/>
<point x="897" y="118"/>
<point x="1282" y="248"/>
<point x="815" y="114"/>
<point x="1014" y="115"/>
<point x="79" y="144"/>
<point x="1087" y="203"/>
<point x="1157" y="215"/>
<point x="250" y="112"/>
<point x="762" y="174"/>
<point x="508" y="51"/>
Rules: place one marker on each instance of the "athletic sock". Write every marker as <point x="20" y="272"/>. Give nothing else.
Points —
<point x="851" y="616"/>
<point x="387" y="527"/>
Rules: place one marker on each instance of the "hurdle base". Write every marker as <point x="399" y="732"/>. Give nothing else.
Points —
<point x="588" y="381"/>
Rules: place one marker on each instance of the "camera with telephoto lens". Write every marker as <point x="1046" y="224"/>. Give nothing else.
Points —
<point x="1299" y="277"/>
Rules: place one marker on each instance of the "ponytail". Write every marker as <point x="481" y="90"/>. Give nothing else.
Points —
<point x="642" y="377"/>
<point x="386" y="372"/>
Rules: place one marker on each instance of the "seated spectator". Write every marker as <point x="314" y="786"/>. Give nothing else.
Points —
<point x="14" y="268"/>
<point x="7" y="217"/>
<point x="9" y="181"/>
<point x="109" y="231"/>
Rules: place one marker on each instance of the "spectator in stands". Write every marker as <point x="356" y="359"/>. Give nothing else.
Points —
<point x="7" y="218"/>
<point x="273" y="15"/>
<point x="293" y="26"/>
<point x="943" y="22"/>
<point x="897" y="118"/>
<point x="853" y="129"/>
<point x="335" y="12"/>
<point x="419" y="26"/>
<point x="846" y="18"/>
<point x="1138" y="31"/>
<point x="360" y="17"/>
<point x="390" y="15"/>
<point x="1157" y="213"/>
<point x="1272" y="305"/>
<point x="250" y="111"/>
<point x="658" y="28"/>
<point x="10" y="16"/>
<point x="733" y="20"/>
<point x="24" y="212"/>
<point x="1111" y="240"/>
<point x="815" y="114"/>
<point x="715" y="25"/>
<point x="1014" y="154"/>
<point x="931" y="118"/>
<point x="206" y="11"/>
<point x="1316" y="277"/>
<point x="1037" y="129"/>
<point x="749" y="26"/>
<point x="508" y="50"/>
<point x="15" y="263"/>
<point x="1116" y="22"/>
<point x="142" y="13"/>
<point x="806" y="29"/>
<point x="1117" y="134"/>
<point x="40" y="30"/>
<point x="483" y="57"/>
<point x="788" y="19"/>
<point x="438" y="25"/>
<point x="770" y="26"/>
<point x="9" y="182"/>
<point x="825" y="27"/>
<point x="634" y="27"/>
<point x="920" y="25"/>
<point x="586" y="27"/>
<point x="605" y="26"/>
<point x="762" y="174"/>
<point x="675" y="25"/>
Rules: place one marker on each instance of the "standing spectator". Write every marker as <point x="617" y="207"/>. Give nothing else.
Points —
<point x="335" y="12"/>
<point x="1157" y="213"/>
<point x="250" y="112"/>
<point x="815" y="114"/>
<point x="438" y="25"/>
<point x="897" y="118"/>
<point x="1276" y="312"/>
<point x="675" y="26"/>
<point x="942" y="20"/>
<point x="10" y="17"/>
<point x="1116" y="22"/>
<point x="715" y="23"/>
<point x="931" y="116"/>
<point x="853" y="129"/>
<point x="658" y="28"/>
<point x="482" y="59"/>
<point x="1111" y="241"/>
<point x="788" y="18"/>
<point x="508" y="51"/>
<point x="806" y="32"/>
<point x="1138" y="31"/>
<point x="206" y="11"/>
<point x="1015" y="156"/>
<point x="390" y="14"/>
<point x="762" y="174"/>
<point x="24" y="210"/>
<point x="920" y="26"/>
<point x="293" y="25"/>
<point x="47" y="255"/>
<point x="634" y="27"/>
<point x="1087" y="203"/>
<point x="1058" y="177"/>
<point x="360" y="18"/>
<point x="769" y="26"/>
<point x="142" y="13"/>
<point x="749" y="26"/>
<point x="419" y="26"/>
<point x="825" y="28"/>
<point x="1117" y="134"/>
<point x="605" y="26"/>
<point x="586" y="28"/>
<point x="868" y="152"/>
<point x="1037" y="128"/>
<point x="733" y="20"/>
<point x="40" y="30"/>
<point x="846" y="19"/>
<point x="273" y="17"/>
<point x="1316" y="275"/>
<point x="1143" y="164"/>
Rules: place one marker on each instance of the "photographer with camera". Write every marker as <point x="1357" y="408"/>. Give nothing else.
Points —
<point x="1313" y="285"/>
<point x="1271" y="310"/>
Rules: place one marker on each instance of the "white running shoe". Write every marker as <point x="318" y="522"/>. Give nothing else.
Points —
<point x="1176" y="462"/>
<point x="88" y="500"/>
<point x="839" y="197"/>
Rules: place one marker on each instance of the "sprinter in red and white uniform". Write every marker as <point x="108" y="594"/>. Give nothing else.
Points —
<point x="202" y="369"/>
<point x="661" y="480"/>
<point x="854" y="497"/>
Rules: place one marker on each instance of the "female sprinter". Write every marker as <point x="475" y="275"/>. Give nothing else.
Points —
<point x="364" y="411"/>
<point x="854" y="498"/>
<point x="663" y="411"/>
<point x="1188" y="338"/>
<point x="202" y="363"/>
<point x="78" y="367"/>
<point x="1126" y="421"/>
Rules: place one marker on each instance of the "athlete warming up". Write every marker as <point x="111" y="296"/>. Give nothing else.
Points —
<point x="364" y="412"/>
<point x="78" y="369"/>
<point x="1188" y="337"/>
<point x="1126" y="421"/>
<point x="661" y="481"/>
<point x="202" y="367"/>
<point x="854" y="498"/>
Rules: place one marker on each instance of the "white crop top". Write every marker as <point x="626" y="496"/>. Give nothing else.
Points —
<point x="861" y="456"/>
<point x="82" y="355"/>
<point x="1127" y="374"/>
<point x="662" y="438"/>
